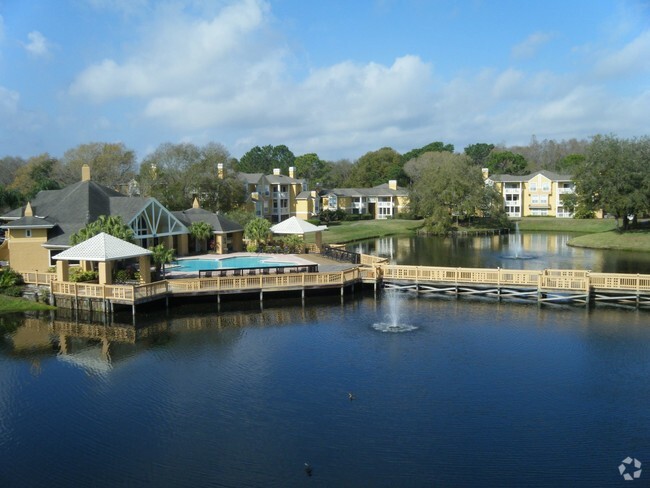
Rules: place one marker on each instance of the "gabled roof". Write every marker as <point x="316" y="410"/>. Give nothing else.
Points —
<point x="376" y="191"/>
<point x="281" y="180"/>
<point x="523" y="178"/>
<point x="77" y="205"/>
<point x="250" y="178"/>
<point x="219" y="223"/>
<point x="102" y="247"/>
<point x="30" y="223"/>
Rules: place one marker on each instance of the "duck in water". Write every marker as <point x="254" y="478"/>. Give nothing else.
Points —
<point x="308" y="469"/>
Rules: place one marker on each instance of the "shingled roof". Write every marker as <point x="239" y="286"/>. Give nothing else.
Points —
<point x="73" y="207"/>
<point x="219" y="223"/>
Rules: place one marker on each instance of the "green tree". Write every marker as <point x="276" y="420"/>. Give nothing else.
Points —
<point x="312" y="168"/>
<point x="506" y="162"/>
<point x="257" y="231"/>
<point x="8" y="167"/>
<point x="10" y="199"/>
<point x="240" y="215"/>
<point x="615" y="177"/>
<point x="113" y="225"/>
<point x="570" y="163"/>
<point x="376" y="168"/>
<point x="431" y="147"/>
<point x="449" y="188"/>
<point x="201" y="231"/>
<point x="337" y="174"/>
<point x="35" y="175"/>
<point x="265" y="159"/>
<point x="160" y="257"/>
<point x="111" y="164"/>
<point x="479" y="153"/>
<point x="176" y="173"/>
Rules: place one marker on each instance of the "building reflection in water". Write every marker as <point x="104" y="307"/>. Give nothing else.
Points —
<point x="97" y="342"/>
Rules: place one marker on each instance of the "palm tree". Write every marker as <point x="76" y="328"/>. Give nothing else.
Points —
<point x="113" y="225"/>
<point x="161" y="256"/>
<point x="201" y="231"/>
<point x="257" y="231"/>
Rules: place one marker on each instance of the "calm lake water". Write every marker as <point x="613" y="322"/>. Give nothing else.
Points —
<point x="479" y="394"/>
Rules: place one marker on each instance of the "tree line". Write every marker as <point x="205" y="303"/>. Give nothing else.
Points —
<point x="442" y="182"/>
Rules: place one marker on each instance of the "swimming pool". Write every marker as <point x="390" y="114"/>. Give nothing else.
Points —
<point x="236" y="262"/>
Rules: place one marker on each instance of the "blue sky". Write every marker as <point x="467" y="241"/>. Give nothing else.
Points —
<point x="338" y="78"/>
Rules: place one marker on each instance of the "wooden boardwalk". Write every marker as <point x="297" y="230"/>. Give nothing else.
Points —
<point x="541" y="286"/>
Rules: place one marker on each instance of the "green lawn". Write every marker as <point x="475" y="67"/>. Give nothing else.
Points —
<point x="366" y="229"/>
<point x="16" y="304"/>
<point x="628" y="241"/>
<point x="551" y="224"/>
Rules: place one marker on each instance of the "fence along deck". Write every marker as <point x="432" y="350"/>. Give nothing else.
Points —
<point x="548" y="285"/>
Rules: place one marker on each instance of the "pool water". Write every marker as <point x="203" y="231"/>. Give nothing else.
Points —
<point x="237" y="262"/>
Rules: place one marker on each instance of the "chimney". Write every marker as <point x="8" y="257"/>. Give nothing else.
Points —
<point x="292" y="171"/>
<point x="195" y="203"/>
<point x="28" y="210"/>
<point x="85" y="173"/>
<point x="221" y="171"/>
<point x="276" y="171"/>
<point x="392" y="184"/>
<point x="486" y="173"/>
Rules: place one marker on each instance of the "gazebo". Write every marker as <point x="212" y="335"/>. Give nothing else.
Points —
<point x="104" y="249"/>
<point x="296" y="226"/>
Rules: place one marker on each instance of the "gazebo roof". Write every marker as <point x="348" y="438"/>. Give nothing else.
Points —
<point x="102" y="247"/>
<point x="294" y="225"/>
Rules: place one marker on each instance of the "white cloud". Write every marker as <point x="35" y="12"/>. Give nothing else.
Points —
<point x="225" y="77"/>
<point x="631" y="59"/>
<point x="529" y="47"/>
<point x="37" y="45"/>
<point x="185" y="54"/>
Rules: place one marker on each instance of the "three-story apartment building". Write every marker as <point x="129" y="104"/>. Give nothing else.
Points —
<point x="539" y="193"/>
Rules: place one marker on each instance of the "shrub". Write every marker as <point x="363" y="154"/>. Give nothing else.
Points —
<point x="78" y="276"/>
<point x="10" y="281"/>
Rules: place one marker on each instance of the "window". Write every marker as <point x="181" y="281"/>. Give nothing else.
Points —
<point x="533" y="186"/>
<point x="546" y="186"/>
<point x="28" y="232"/>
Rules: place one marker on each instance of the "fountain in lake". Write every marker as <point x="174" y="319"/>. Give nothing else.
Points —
<point x="517" y="247"/>
<point x="393" y="317"/>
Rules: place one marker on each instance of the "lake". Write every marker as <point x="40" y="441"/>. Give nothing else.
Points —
<point x="480" y="393"/>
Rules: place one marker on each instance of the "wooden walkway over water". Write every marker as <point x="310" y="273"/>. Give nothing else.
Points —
<point x="542" y="286"/>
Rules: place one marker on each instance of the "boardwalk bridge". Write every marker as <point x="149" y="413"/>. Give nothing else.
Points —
<point x="541" y="286"/>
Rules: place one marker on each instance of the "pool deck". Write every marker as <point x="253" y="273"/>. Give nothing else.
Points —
<point x="325" y="264"/>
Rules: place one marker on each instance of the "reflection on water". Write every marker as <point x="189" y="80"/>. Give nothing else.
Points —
<point x="244" y="397"/>
<point x="550" y="251"/>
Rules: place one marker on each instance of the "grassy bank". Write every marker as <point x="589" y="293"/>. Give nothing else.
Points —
<point x="16" y="304"/>
<point x="366" y="229"/>
<point x="628" y="241"/>
<point x="551" y="224"/>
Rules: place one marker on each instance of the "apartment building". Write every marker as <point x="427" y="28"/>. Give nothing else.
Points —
<point x="382" y="202"/>
<point x="538" y="194"/>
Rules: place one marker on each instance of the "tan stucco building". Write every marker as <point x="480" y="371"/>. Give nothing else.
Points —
<point x="536" y="194"/>
<point x="381" y="202"/>
<point x="41" y="229"/>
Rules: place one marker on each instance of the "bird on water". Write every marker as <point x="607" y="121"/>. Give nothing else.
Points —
<point x="350" y="395"/>
<point x="308" y="469"/>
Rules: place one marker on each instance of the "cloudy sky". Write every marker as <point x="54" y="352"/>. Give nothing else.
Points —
<point x="335" y="77"/>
